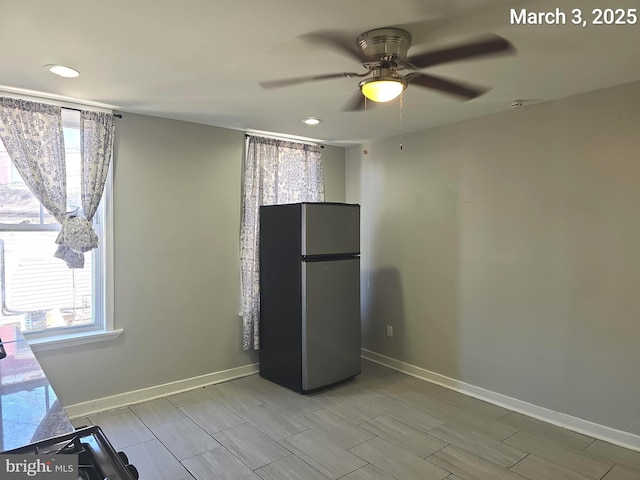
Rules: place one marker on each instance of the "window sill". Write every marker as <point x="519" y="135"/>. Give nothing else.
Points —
<point x="72" y="340"/>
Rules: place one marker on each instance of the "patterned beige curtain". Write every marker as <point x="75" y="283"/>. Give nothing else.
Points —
<point x="96" y="145"/>
<point x="97" y="131"/>
<point x="32" y="134"/>
<point x="275" y="171"/>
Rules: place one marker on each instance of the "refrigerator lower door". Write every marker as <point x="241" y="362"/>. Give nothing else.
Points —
<point x="330" y="322"/>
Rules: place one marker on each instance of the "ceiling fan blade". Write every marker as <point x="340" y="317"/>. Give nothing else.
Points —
<point x="445" y="19"/>
<point x="490" y="46"/>
<point x="356" y="103"/>
<point x="338" y="41"/>
<point x="467" y="92"/>
<point x="312" y="78"/>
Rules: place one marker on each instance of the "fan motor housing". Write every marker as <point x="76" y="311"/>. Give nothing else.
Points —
<point x="385" y="46"/>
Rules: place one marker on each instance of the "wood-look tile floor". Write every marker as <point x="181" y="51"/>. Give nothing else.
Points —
<point x="382" y="425"/>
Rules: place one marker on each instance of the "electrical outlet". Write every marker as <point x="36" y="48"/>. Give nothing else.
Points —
<point x="390" y="331"/>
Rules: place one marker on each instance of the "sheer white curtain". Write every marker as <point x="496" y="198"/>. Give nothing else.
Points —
<point x="275" y="171"/>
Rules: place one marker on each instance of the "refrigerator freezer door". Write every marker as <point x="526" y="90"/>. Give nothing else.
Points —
<point x="330" y="229"/>
<point x="330" y="322"/>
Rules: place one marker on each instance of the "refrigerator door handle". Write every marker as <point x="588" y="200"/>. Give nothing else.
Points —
<point x="330" y="257"/>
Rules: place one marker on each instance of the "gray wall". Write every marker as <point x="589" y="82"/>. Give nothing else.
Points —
<point x="504" y="251"/>
<point x="177" y="286"/>
<point x="334" y="173"/>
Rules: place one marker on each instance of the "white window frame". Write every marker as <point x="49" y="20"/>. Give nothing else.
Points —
<point x="103" y="286"/>
<point x="80" y="335"/>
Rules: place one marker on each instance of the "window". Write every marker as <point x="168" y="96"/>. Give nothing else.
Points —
<point x="275" y="171"/>
<point x="39" y="293"/>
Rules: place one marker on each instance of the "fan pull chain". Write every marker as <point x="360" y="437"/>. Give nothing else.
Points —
<point x="366" y="127"/>
<point x="401" y="107"/>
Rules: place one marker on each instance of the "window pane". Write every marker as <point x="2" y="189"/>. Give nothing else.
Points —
<point x="40" y="291"/>
<point x="17" y="203"/>
<point x="73" y="165"/>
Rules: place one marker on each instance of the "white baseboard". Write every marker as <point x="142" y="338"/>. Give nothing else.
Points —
<point x="608" y="434"/>
<point x="136" y="396"/>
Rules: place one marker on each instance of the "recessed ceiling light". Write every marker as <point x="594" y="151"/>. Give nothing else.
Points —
<point x="311" y="121"/>
<point x="62" y="71"/>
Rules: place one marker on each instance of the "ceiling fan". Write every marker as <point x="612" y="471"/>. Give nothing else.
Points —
<point x="383" y="52"/>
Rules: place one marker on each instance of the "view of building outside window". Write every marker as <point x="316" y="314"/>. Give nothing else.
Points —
<point x="39" y="291"/>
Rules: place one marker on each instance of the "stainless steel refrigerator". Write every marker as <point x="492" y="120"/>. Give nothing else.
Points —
<point x="309" y="294"/>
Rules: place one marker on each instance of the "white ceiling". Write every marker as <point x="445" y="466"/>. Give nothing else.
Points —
<point x="201" y="60"/>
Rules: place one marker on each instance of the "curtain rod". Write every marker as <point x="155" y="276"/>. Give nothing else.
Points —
<point x="117" y="115"/>
<point x="282" y="137"/>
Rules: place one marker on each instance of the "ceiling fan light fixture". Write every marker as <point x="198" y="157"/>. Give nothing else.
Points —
<point x="382" y="89"/>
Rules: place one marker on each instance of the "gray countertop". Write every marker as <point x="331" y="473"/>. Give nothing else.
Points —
<point x="29" y="408"/>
